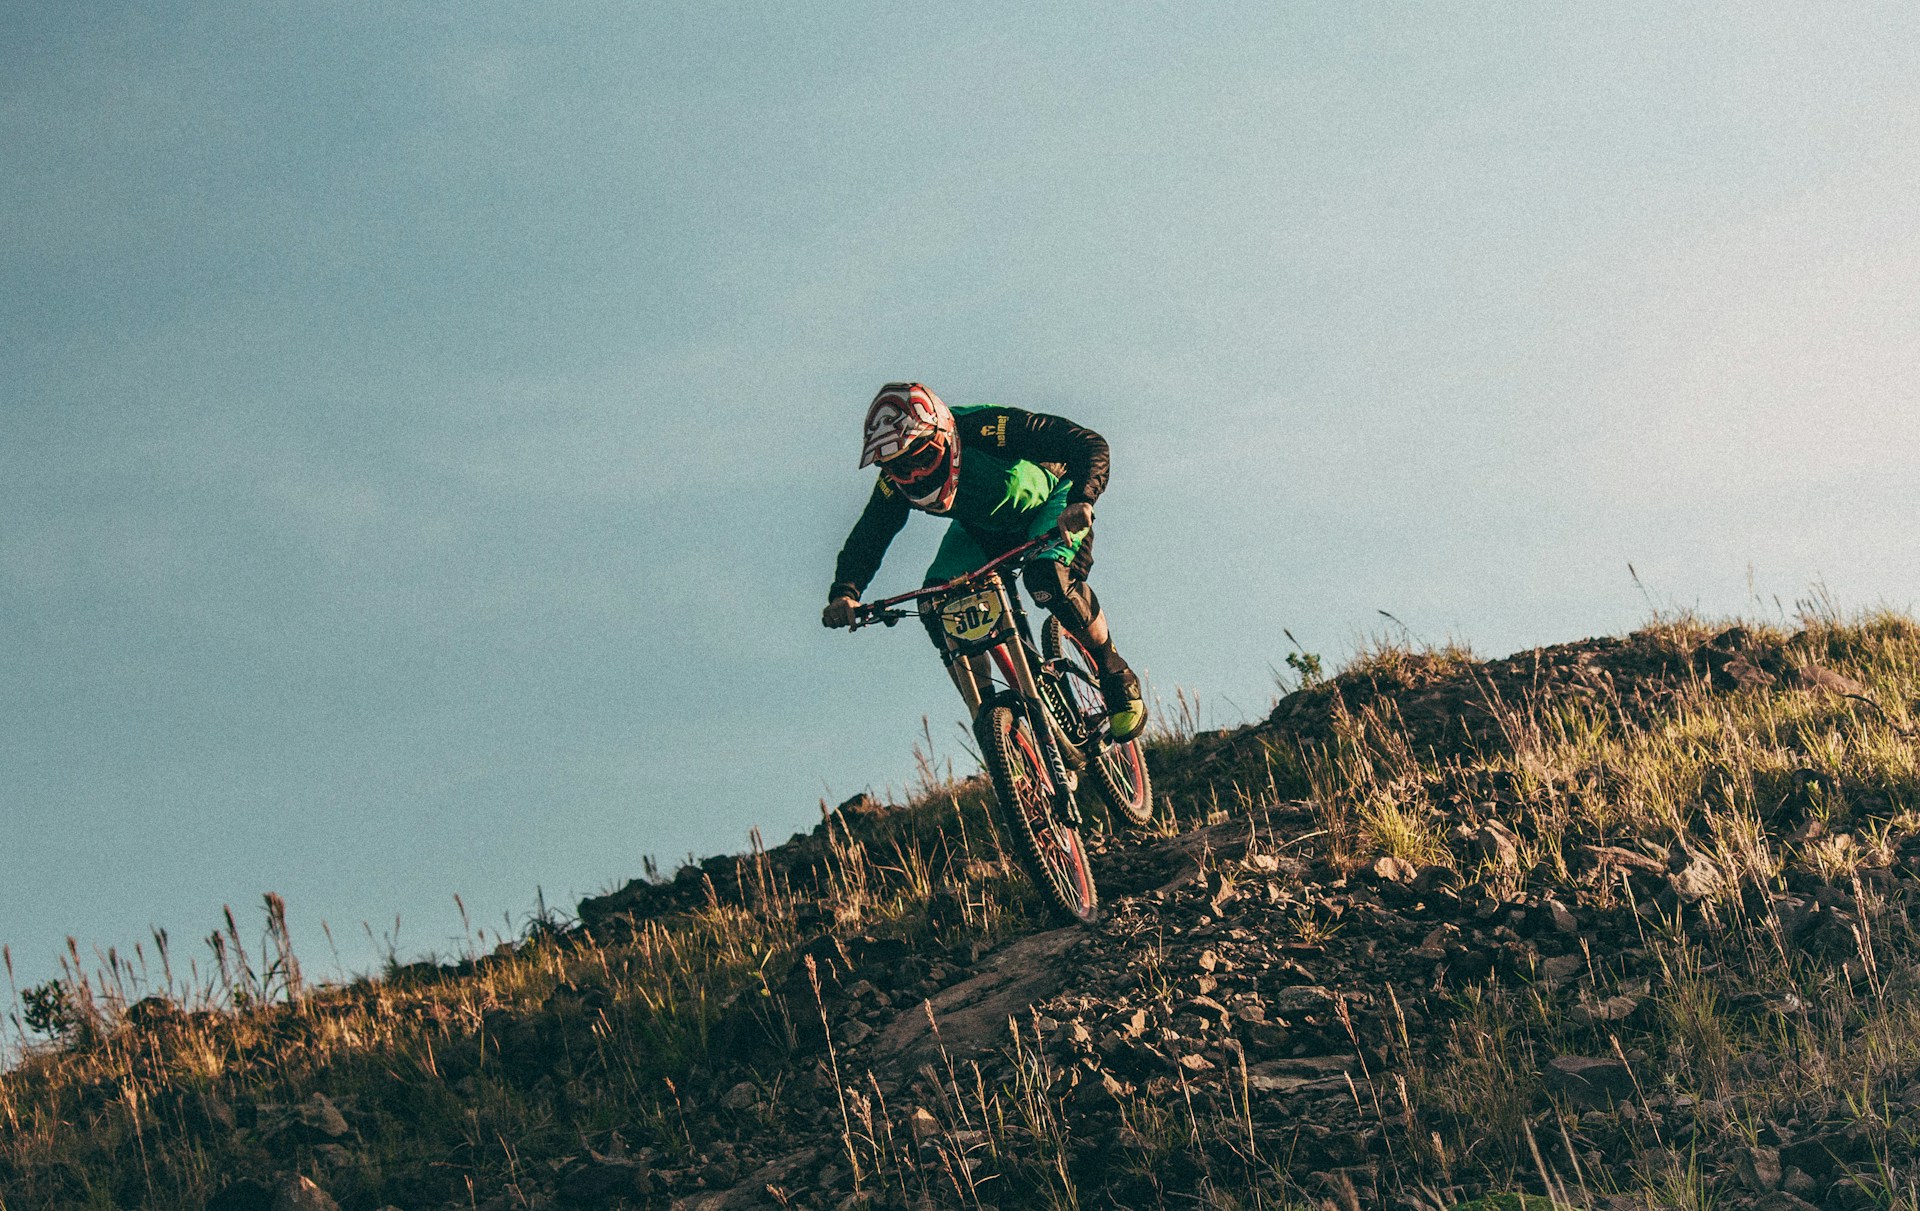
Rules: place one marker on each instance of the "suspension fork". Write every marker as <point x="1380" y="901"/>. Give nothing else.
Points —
<point x="971" y="676"/>
<point x="1012" y="659"/>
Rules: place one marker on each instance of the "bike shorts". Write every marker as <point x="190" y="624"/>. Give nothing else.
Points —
<point x="963" y="550"/>
<point x="1063" y="589"/>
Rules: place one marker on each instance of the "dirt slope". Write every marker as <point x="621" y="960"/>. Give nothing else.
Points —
<point x="1624" y="922"/>
<point x="1255" y="1014"/>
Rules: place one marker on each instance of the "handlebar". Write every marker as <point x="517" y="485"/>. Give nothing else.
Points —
<point x="866" y="616"/>
<point x="886" y="612"/>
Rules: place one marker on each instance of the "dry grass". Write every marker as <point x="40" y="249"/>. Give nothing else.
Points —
<point x="123" y="1104"/>
<point x="1757" y="791"/>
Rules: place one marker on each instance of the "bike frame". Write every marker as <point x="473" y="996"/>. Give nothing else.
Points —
<point x="1013" y="654"/>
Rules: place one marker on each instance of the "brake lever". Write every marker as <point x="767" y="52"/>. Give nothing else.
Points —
<point x="868" y="617"/>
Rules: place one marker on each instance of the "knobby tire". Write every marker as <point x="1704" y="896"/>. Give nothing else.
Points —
<point x="1054" y="855"/>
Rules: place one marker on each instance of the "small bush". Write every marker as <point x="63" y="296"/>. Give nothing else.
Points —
<point x="49" y="1010"/>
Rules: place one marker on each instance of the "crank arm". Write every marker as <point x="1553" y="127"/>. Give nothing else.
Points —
<point x="1067" y="807"/>
<point x="1064" y="779"/>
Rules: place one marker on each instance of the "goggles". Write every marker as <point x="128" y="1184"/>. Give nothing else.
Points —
<point x="916" y="462"/>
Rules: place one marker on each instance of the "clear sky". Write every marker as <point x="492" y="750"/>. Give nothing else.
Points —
<point x="426" y="429"/>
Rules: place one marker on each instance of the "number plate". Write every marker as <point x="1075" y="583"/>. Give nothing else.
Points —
<point x="973" y="618"/>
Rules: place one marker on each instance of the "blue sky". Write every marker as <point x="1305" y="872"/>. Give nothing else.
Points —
<point x="425" y="430"/>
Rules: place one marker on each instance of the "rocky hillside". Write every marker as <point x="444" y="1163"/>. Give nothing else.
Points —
<point x="1616" y="924"/>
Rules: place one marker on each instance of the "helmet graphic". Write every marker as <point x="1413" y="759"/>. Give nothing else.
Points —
<point x="910" y="433"/>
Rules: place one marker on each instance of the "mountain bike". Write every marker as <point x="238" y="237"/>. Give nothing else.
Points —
<point x="1040" y="726"/>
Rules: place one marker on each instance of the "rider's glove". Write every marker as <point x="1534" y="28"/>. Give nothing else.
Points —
<point x="1076" y="519"/>
<point x="839" y="612"/>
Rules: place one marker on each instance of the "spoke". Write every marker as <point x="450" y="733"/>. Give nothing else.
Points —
<point x="1055" y="849"/>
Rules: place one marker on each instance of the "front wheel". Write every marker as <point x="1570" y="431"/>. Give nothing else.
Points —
<point x="1051" y="850"/>
<point x="1120" y="772"/>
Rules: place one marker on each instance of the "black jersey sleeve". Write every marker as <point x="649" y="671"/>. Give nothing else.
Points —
<point x="1043" y="438"/>
<point x="866" y="546"/>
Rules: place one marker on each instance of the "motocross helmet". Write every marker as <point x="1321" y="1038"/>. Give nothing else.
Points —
<point x="911" y="434"/>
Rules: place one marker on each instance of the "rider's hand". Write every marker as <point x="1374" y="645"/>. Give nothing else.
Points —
<point x="1075" y="519"/>
<point x="839" y="612"/>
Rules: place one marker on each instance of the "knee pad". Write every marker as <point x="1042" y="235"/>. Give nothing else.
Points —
<point x="930" y="618"/>
<point x="1054" y="588"/>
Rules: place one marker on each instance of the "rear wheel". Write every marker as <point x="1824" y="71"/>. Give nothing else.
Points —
<point x="1120" y="772"/>
<point x="1050" y="849"/>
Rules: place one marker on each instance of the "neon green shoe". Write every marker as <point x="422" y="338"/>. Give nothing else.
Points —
<point x="1126" y="713"/>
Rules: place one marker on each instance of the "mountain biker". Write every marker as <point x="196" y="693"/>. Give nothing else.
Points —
<point x="1003" y="476"/>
